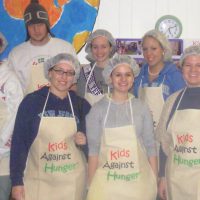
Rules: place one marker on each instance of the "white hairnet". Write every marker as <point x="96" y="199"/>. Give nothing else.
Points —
<point x="160" y="37"/>
<point x="191" y="50"/>
<point x="95" y="34"/>
<point x="115" y="61"/>
<point x="50" y="63"/>
<point x="3" y="43"/>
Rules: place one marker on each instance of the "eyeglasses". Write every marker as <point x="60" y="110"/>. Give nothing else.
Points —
<point x="61" y="72"/>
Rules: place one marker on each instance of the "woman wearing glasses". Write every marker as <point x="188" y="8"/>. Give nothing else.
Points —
<point x="46" y="156"/>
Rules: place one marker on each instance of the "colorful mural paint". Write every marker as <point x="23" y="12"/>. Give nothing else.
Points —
<point x="71" y="20"/>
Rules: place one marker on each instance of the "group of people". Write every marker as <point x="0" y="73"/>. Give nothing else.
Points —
<point x="106" y="130"/>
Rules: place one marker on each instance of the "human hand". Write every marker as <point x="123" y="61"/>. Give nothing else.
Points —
<point x="162" y="188"/>
<point x="18" y="192"/>
<point x="80" y="138"/>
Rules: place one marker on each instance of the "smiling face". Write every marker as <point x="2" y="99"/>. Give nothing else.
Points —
<point x="101" y="50"/>
<point x="122" y="78"/>
<point x="153" y="52"/>
<point x="61" y="79"/>
<point x="191" y="70"/>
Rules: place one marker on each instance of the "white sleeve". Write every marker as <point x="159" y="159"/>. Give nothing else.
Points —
<point x="14" y="95"/>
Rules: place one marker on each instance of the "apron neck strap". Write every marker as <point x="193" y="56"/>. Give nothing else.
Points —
<point x="71" y="105"/>
<point x="107" y="111"/>
<point x="178" y="104"/>
<point x="47" y="101"/>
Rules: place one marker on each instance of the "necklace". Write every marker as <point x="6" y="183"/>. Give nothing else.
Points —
<point x="152" y="74"/>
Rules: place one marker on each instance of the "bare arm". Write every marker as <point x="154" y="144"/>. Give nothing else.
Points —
<point x="162" y="188"/>
<point x="154" y="164"/>
<point x="92" y="166"/>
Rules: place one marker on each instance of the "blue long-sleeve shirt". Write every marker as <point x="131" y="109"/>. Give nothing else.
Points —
<point x="170" y="76"/>
<point x="28" y="120"/>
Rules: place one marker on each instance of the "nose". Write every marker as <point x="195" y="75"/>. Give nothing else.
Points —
<point x="123" y="77"/>
<point x="35" y="27"/>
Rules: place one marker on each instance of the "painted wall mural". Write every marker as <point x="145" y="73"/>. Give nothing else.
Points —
<point x="71" y="20"/>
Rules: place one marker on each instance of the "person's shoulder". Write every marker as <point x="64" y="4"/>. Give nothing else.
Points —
<point x="7" y="73"/>
<point x="143" y="71"/>
<point x="20" y="47"/>
<point x="173" y="96"/>
<point x="80" y="103"/>
<point x="171" y="68"/>
<point x="98" y="109"/>
<point x="78" y="99"/>
<point x="36" y="96"/>
<point x="102" y="103"/>
<point x="138" y="103"/>
<point x="60" y="41"/>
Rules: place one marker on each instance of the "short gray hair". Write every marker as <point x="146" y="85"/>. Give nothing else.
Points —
<point x="189" y="51"/>
<point x="50" y="63"/>
<point x="163" y="41"/>
<point x="115" y="61"/>
<point x="95" y="34"/>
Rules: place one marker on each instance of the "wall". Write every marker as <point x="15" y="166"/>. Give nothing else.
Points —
<point x="132" y="18"/>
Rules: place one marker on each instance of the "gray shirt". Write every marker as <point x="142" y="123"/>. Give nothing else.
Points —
<point x="119" y="115"/>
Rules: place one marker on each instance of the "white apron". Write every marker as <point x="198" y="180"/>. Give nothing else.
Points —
<point x="37" y="79"/>
<point x="55" y="167"/>
<point x="153" y="96"/>
<point x="183" y="163"/>
<point x="90" y="97"/>
<point x="123" y="172"/>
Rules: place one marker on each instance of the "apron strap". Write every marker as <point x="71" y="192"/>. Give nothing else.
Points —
<point x="178" y="104"/>
<point x="71" y="105"/>
<point x="108" y="108"/>
<point x="141" y="81"/>
<point x="45" y="104"/>
<point x="107" y="111"/>
<point x="131" y="109"/>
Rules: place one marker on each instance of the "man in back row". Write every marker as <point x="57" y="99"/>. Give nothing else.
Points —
<point x="27" y="58"/>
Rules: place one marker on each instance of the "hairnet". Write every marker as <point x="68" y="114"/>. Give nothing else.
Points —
<point x="95" y="34"/>
<point x="115" y="61"/>
<point x="50" y="63"/>
<point x="191" y="50"/>
<point x="160" y="37"/>
<point x="3" y="43"/>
